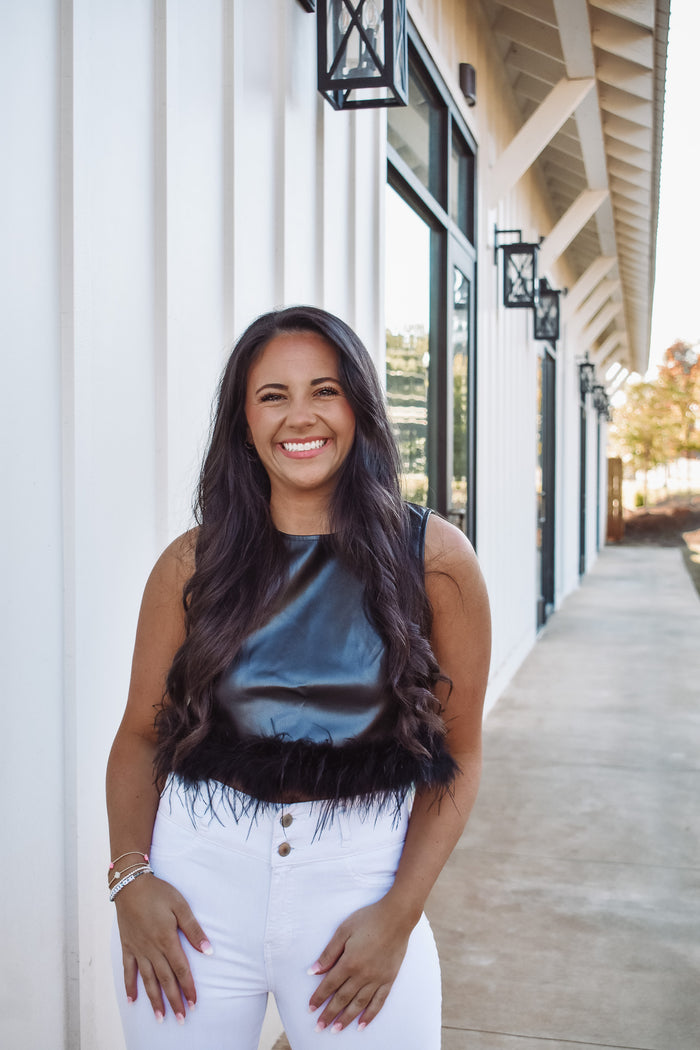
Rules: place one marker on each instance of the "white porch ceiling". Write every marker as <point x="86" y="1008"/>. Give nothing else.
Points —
<point x="610" y="144"/>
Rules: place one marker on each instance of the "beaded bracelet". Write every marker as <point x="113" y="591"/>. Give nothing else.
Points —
<point x="115" y="876"/>
<point x="129" y="878"/>
<point x="131" y="853"/>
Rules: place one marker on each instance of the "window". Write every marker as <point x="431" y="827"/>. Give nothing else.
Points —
<point x="430" y="274"/>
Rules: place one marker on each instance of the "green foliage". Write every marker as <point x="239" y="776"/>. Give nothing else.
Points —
<point x="659" y="421"/>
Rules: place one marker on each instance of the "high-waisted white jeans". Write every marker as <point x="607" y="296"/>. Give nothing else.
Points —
<point x="269" y="892"/>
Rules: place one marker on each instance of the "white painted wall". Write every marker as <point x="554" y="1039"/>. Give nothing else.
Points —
<point x="34" y="831"/>
<point x="173" y="174"/>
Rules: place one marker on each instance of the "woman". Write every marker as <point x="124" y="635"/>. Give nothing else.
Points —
<point x="316" y="653"/>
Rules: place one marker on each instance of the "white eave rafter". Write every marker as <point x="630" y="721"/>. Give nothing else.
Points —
<point x="605" y="141"/>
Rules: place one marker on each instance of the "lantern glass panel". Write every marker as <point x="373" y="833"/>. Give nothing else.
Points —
<point x="400" y="48"/>
<point x="353" y="52"/>
<point x="547" y="315"/>
<point x="519" y="275"/>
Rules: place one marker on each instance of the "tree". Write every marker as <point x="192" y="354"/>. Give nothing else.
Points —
<point x="658" y="423"/>
<point x="679" y="384"/>
<point x="641" y="429"/>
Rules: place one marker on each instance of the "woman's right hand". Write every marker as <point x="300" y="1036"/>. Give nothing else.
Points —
<point x="149" y="913"/>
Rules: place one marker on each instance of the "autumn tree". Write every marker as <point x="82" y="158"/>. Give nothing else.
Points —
<point x="679" y="385"/>
<point x="659" y="421"/>
<point x="642" y="431"/>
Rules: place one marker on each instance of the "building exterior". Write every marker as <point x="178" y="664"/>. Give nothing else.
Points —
<point x="169" y="172"/>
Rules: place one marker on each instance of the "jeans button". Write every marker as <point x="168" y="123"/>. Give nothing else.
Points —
<point x="286" y="819"/>
<point x="284" y="849"/>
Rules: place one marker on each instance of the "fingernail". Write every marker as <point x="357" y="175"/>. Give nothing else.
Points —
<point x="190" y="1004"/>
<point x="160" y="1016"/>
<point x="180" y="1018"/>
<point x="206" y="948"/>
<point x="313" y="970"/>
<point x="337" y="1027"/>
<point x="312" y="1009"/>
<point x="320" y="1026"/>
<point x="129" y="999"/>
<point x="361" y="1026"/>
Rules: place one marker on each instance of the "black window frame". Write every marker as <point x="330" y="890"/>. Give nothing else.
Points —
<point x="449" y="246"/>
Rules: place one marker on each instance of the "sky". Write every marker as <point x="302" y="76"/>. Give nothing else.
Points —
<point x="676" y="313"/>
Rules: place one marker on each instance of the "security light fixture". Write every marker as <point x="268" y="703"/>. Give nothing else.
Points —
<point x="362" y="53"/>
<point x="519" y="269"/>
<point x="467" y="82"/>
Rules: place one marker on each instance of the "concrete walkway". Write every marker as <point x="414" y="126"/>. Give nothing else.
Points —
<point x="569" y="914"/>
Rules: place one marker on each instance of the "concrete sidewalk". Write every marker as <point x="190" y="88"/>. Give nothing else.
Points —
<point x="569" y="914"/>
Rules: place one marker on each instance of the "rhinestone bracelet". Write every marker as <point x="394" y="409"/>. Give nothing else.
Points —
<point x="129" y="878"/>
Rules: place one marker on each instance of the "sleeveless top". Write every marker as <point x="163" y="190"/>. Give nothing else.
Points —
<point x="302" y="712"/>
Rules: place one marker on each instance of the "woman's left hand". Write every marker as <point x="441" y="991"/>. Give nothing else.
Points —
<point x="360" y="963"/>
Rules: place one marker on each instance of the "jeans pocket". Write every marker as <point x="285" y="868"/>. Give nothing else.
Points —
<point x="375" y="867"/>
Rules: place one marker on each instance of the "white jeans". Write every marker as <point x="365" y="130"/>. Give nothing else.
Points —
<point x="269" y="893"/>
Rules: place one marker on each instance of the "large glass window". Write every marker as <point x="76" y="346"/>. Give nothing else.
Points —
<point x="461" y="331"/>
<point x="417" y="133"/>
<point x="430" y="271"/>
<point x="407" y="332"/>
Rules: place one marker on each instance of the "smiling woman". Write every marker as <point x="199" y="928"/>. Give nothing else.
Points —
<point x="319" y="694"/>
<point x="297" y="413"/>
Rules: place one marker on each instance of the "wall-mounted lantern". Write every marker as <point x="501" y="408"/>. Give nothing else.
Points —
<point x="586" y="372"/>
<point x="546" y="313"/>
<point x="362" y="53"/>
<point x="520" y="286"/>
<point x="600" y="401"/>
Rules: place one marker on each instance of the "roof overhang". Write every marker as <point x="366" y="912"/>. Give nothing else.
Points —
<point x="588" y="77"/>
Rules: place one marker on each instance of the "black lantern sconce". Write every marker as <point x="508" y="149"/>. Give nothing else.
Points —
<point x="600" y="400"/>
<point x="546" y="313"/>
<point x="520" y="288"/>
<point x="586" y="373"/>
<point x="362" y="53"/>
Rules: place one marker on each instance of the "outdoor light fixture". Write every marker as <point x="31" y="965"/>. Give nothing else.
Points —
<point x="362" y="53"/>
<point x="586" y="371"/>
<point x="519" y="269"/>
<point x="600" y="399"/>
<point x="546" y="313"/>
<point x="467" y="82"/>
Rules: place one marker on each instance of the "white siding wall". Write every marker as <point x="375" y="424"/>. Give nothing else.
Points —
<point x="174" y="173"/>
<point x="176" y="159"/>
<point x="34" y="831"/>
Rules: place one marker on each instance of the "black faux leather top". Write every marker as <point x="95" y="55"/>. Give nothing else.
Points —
<point x="315" y="670"/>
<point x="303" y="711"/>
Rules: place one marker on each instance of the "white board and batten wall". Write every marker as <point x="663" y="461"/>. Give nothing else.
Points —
<point x="173" y="174"/>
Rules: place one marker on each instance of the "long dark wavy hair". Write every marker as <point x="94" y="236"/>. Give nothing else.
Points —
<point x="240" y="558"/>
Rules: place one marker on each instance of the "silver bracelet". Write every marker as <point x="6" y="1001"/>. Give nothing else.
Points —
<point x="129" y="878"/>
